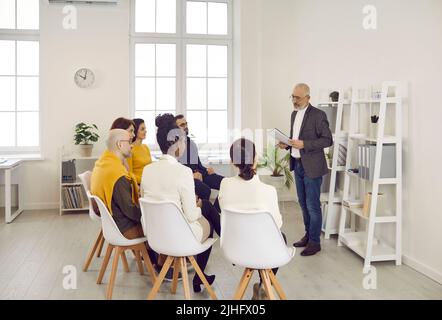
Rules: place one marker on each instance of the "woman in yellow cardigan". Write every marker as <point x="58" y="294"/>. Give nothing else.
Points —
<point x="140" y="152"/>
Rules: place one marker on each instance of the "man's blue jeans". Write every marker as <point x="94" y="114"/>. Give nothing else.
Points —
<point x="309" y="194"/>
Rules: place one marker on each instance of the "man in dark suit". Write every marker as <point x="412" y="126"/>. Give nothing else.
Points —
<point x="310" y="134"/>
<point x="205" y="178"/>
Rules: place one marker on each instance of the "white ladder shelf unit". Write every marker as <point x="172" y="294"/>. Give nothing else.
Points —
<point x="333" y="198"/>
<point x="364" y="243"/>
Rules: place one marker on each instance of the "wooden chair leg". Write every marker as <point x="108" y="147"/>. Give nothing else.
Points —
<point x="92" y="251"/>
<point x="109" y="250"/>
<point x="243" y="283"/>
<point x="159" y="280"/>
<point x="277" y="286"/>
<point x="185" y="279"/>
<point x="147" y="262"/>
<point x="161" y="259"/>
<point x="202" y="277"/>
<point x="139" y="263"/>
<point x="110" y="286"/>
<point x="100" y="248"/>
<point x="176" y="270"/>
<point x="267" y="285"/>
<point x="124" y="260"/>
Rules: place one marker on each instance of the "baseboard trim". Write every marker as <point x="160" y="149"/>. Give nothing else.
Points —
<point x="41" y="206"/>
<point x="422" y="268"/>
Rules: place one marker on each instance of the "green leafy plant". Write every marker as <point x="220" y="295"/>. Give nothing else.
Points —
<point x="329" y="157"/>
<point x="278" y="162"/>
<point x="85" y="134"/>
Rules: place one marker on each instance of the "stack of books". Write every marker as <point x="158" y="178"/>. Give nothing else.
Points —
<point x="73" y="197"/>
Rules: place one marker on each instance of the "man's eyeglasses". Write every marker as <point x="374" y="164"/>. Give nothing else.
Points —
<point x="128" y="141"/>
<point x="183" y="125"/>
<point x="296" y="98"/>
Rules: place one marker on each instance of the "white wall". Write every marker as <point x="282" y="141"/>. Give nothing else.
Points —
<point x="100" y="43"/>
<point x="323" y="43"/>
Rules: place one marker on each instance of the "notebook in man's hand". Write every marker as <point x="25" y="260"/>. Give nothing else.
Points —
<point x="280" y="136"/>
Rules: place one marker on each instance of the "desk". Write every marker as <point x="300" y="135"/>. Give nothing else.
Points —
<point x="9" y="168"/>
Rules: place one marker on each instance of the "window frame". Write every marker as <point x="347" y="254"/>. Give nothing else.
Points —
<point x="182" y="39"/>
<point x="22" y="35"/>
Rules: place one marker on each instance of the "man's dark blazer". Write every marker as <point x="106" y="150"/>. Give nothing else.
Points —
<point x="190" y="160"/>
<point x="316" y="134"/>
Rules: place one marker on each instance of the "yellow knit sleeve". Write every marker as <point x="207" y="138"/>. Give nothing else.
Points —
<point x="130" y="164"/>
<point x="149" y="156"/>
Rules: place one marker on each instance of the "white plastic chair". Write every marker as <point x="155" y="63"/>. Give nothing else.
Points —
<point x="85" y="178"/>
<point x="169" y="234"/>
<point x="118" y="242"/>
<point x="251" y="239"/>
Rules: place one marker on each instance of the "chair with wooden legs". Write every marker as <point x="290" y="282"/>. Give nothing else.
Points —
<point x="97" y="247"/>
<point x="119" y="244"/>
<point x="169" y="234"/>
<point x="251" y="239"/>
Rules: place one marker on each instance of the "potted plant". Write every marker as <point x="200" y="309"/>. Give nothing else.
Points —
<point x="279" y="165"/>
<point x="329" y="157"/>
<point x="84" y="135"/>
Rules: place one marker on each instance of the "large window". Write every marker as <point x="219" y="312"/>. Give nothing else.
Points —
<point x="182" y="64"/>
<point x="19" y="75"/>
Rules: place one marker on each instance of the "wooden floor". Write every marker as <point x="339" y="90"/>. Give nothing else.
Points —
<point x="35" y="248"/>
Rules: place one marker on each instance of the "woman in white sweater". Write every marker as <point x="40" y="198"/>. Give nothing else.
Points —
<point x="168" y="180"/>
<point x="247" y="192"/>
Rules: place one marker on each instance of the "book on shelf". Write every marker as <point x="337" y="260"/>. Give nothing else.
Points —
<point x="74" y="199"/>
<point x="367" y="203"/>
<point x="342" y="155"/>
<point x="79" y="196"/>
<point x="67" y="202"/>
<point x="63" y="198"/>
<point x="352" y="203"/>
<point x="367" y="157"/>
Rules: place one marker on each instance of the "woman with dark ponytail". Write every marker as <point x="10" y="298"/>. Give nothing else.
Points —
<point x="247" y="192"/>
<point x="243" y="154"/>
<point x="169" y="180"/>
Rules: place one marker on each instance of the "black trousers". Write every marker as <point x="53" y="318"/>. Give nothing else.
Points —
<point x="275" y="270"/>
<point x="204" y="188"/>
<point x="212" y="215"/>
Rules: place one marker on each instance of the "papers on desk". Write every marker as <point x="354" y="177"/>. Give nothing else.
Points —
<point x="9" y="163"/>
<point x="279" y="136"/>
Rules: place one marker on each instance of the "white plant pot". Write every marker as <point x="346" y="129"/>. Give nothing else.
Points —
<point x="86" y="150"/>
<point x="329" y="162"/>
<point x="277" y="182"/>
<point x="373" y="130"/>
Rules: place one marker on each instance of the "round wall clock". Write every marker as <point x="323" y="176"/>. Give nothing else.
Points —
<point x="84" y="78"/>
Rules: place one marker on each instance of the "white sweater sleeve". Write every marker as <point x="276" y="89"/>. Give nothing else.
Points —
<point x="221" y="193"/>
<point x="188" y="198"/>
<point x="274" y="209"/>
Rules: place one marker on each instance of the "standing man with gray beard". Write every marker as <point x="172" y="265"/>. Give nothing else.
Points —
<point x="310" y="134"/>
